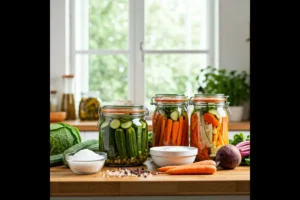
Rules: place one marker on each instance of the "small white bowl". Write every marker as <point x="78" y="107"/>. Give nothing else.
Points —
<point x="173" y="155"/>
<point x="86" y="167"/>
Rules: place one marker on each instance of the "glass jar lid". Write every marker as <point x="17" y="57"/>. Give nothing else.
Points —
<point x="208" y="98"/>
<point x="169" y="99"/>
<point x="139" y="110"/>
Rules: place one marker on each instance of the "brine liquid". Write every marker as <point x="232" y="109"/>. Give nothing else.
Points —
<point x="68" y="106"/>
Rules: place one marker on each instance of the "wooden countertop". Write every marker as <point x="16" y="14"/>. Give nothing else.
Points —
<point x="92" y="125"/>
<point x="63" y="182"/>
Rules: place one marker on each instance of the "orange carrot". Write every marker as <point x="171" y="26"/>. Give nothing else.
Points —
<point x="162" y="131"/>
<point x="194" y="119"/>
<point x="194" y="135"/>
<point x="175" y="129"/>
<point x="184" y="139"/>
<point x="154" y="119"/>
<point x="209" y="118"/>
<point x="204" y="162"/>
<point x="225" y="129"/>
<point x="180" y="131"/>
<point x="157" y="130"/>
<point x="167" y="135"/>
<point x="192" y="169"/>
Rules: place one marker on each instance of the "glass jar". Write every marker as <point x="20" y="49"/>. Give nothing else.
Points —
<point x="123" y="134"/>
<point x="53" y="100"/>
<point x="170" y="120"/>
<point x="209" y="124"/>
<point x="89" y="106"/>
<point x="68" y="102"/>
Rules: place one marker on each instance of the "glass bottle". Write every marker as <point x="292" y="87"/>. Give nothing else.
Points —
<point x="123" y="134"/>
<point x="68" y="102"/>
<point x="209" y="124"/>
<point x="89" y="106"/>
<point x="170" y="120"/>
<point x="53" y="100"/>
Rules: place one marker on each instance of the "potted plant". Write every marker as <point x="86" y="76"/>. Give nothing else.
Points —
<point x="232" y="83"/>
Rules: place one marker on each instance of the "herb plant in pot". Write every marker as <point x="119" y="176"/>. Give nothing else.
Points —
<point x="232" y="83"/>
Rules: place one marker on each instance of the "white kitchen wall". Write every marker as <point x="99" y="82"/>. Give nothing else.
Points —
<point x="234" y="52"/>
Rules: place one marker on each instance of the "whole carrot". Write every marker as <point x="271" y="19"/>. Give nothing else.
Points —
<point x="157" y="130"/>
<point x="192" y="169"/>
<point x="175" y="129"/>
<point x="167" y="135"/>
<point x="162" y="131"/>
<point x="185" y="137"/>
<point x="180" y="131"/>
<point x="204" y="162"/>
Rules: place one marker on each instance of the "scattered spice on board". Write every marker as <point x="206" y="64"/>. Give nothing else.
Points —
<point x="122" y="172"/>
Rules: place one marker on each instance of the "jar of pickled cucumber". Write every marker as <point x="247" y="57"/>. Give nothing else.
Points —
<point x="89" y="106"/>
<point x="123" y="134"/>
<point x="209" y="124"/>
<point x="170" y="120"/>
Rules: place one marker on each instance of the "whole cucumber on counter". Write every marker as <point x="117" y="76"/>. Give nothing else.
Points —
<point x="78" y="147"/>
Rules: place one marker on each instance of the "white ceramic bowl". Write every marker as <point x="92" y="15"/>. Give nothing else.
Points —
<point x="173" y="155"/>
<point x="86" y="167"/>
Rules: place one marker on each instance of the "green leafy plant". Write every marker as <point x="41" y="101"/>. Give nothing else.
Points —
<point x="221" y="81"/>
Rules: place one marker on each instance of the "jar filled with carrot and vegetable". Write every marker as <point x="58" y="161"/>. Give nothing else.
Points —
<point x="89" y="106"/>
<point x="123" y="134"/>
<point x="208" y="124"/>
<point x="170" y="120"/>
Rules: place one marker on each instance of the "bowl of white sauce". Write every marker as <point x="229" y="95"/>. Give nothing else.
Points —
<point x="86" y="161"/>
<point x="173" y="155"/>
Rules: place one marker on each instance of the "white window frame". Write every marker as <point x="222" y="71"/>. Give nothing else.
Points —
<point x="136" y="52"/>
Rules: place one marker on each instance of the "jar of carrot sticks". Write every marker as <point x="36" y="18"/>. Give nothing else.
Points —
<point x="209" y="124"/>
<point x="170" y="120"/>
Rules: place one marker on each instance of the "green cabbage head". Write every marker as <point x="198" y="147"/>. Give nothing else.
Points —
<point x="62" y="137"/>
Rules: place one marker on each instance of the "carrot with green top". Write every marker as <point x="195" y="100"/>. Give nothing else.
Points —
<point x="192" y="169"/>
<point x="168" y="130"/>
<point x="174" y="134"/>
<point x="180" y="131"/>
<point x="162" y="131"/>
<point x="203" y="162"/>
<point x="209" y="118"/>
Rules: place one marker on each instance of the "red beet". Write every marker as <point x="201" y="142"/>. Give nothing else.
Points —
<point x="228" y="157"/>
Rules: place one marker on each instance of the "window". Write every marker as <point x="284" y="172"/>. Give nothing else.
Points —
<point x="134" y="49"/>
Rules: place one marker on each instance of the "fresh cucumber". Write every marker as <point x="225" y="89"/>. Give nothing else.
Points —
<point x="139" y="132"/>
<point x="144" y="125"/>
<point x="131" y="142"/>
<point x="56" y="160"/>
<point x="215" y="113"/>
<point x="112" y="144"/>
<point x="115" y="123"/>
<point x="121" y="143"/>
<point x="104" y="124"/>
<point x="174" y="115"/>
<point x="144" y="140"/>
<point x="76" y="148"/>
<point x="126" y="125"/>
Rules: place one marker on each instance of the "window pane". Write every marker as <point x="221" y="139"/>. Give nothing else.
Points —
<point x="101" y="24"/>
<point x="176" y="24"/>
<point x="106" y="74"/>
<point x="172" y="73"/>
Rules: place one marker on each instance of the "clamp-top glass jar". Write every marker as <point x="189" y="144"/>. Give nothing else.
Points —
<point x="209" y="124"/>
<point x="123" y="134"/>
<point x="170" y="120"/>
<point x="89" y="106"/>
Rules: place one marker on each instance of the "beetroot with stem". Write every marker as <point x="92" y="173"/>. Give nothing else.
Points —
<point x="228" y="157"/>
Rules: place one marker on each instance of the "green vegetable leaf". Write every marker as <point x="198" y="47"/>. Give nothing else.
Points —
<point x="237" y="138"/>
<point x="62" y="137"/>
<point x="248" y="138"/>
